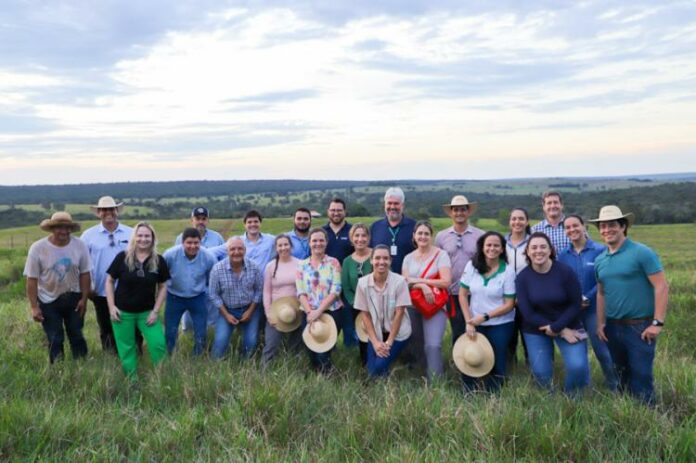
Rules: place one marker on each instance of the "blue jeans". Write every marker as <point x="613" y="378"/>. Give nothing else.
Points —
<point x="379" y="366"/>
<point x="197" y="307"/>
<point x="224" y="330"/>
<point x="633" y="359"/>
<point x="350" y="337"/>
<point x="540" y="351"/>
<point x="322" y="362"/>
<point x="56" y="314"/>
<point x="600" y="349"/>
<point x="499" y="336"/>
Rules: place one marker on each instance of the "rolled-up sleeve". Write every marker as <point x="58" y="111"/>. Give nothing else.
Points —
<point x="214" y="290"/>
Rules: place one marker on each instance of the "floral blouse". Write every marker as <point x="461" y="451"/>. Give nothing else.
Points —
<point x="320" y="282"/>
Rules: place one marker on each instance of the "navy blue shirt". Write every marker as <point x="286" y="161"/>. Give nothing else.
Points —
<point x="583" y="266"/>
<point x="401" y="236"/>
<point x="553" y="298"/>
<point x="339" y="246"/>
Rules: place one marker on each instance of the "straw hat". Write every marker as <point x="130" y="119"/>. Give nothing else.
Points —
<point x="107" y="202"/>
<point x="320" y="335"/>
<point x="611" y="212"/>
<point x="285" y="313"/>
<point x="459" y="200"/>
<point x="473" y="357"/>
<point x="59" y="219"/>
<point x="360" y="329"/>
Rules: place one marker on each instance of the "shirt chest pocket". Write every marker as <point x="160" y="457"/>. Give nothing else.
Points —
<point x="391" y="307"/>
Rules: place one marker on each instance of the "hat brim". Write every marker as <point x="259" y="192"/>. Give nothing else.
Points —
<point x="448" y="207"/>
<point x="321" y="347"/>
<point x="469" y="370"/>
<point x="275" y="308"/>
<point x="360" y="330"/>
<point x="117" y="206"/>
<point x="48" y="225"/>
<point x="628" y="216"/>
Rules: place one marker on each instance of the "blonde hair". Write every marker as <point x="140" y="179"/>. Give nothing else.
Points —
<point x="152" y="265"/>
<point x="356" y="227"/>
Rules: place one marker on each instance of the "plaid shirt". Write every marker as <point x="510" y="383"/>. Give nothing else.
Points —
<point x="235" y="290"/>
<point x="556" y="234"/>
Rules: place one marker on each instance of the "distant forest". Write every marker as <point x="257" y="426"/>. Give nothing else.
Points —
<point x="664" y="203"/>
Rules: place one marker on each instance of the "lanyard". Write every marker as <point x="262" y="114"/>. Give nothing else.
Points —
<point x="394" y="233"/>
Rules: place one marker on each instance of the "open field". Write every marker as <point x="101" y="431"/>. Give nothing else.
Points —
<point x="192" y="410"/>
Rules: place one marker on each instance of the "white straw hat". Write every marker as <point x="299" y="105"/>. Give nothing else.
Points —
<point x="459" y="200"/>
<point x="611" y="212"/>
<point x="320" y="335"/>
<point x="285" y="313"/>
<point x="360" y="329"/>
<point x="473" y="357"/>
<point x="59" y="219"/>
<point x="107" y="202"/>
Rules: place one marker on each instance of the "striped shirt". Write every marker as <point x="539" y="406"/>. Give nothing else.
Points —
<point x="556" y="234"/>
<point x="234" y="290"/>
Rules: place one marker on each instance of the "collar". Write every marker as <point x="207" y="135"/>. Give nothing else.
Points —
<point x="102" y="228"/>
<point x="301" y="238"/>
<point x="545" y="223"/>
<point x="246" y="239"/>
<point x="623" y="247"/>
<point x="371" y="280"/>
<point x="467" y="230"/>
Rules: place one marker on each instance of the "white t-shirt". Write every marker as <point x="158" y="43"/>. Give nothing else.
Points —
<point x="58" y="268"/>
<point x="489" y="293"/>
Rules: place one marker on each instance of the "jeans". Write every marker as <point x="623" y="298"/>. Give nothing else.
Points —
<point x="273" y="339"/>
<point x="58" y="313"/>
<point x="540" y="350"/>
<point x="124" y="333"/>
<point x="379" y="366"/>
<point x="212" y="315"/>
<point x="512" y="346"/>
<point x="224" y="330"/>
<point x="600" y="349"/>
<point x="176" y="307"/>
<point x="633" y="359"/>
<point x="499" y="336"/>
<point x="350" y="337"/>
<point x="457" y="323"/>
<point x="321" y="362"/>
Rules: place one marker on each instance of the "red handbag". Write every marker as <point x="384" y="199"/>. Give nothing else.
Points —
<point x="440" y="296"/>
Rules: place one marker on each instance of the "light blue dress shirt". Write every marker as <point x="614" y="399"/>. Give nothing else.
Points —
<point x="211" y="239"/>
<point x="103" y="247"/>
<point x="300" y="246"/>
<point x="189" y="277"/>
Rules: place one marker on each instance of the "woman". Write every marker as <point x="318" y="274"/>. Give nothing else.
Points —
<point x="318" y="284"/>
<point x="516" y="244"/>
<point x="549" y="297"/>
<point x="141" y="274"/>
<point x="382" y="298"/>
<point x="428" y="332"/>
<point x="580" y="257"/>
<point x="356" y="266"/>
<point x="278" y="281"/>
<point x="491" y="284"/>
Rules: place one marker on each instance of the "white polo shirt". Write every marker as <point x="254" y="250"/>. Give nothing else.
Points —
<point x="489" y="293"/>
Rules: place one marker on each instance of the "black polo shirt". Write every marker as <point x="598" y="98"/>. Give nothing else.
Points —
<point x="136" y="293"/>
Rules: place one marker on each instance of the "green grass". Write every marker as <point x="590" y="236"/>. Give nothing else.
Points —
<point x="191" y="410"/>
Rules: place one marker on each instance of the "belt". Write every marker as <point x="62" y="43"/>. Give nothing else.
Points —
<point x="628" y="321"/>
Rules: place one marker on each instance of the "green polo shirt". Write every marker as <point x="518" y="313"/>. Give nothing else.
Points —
<point x="624" y="277"/>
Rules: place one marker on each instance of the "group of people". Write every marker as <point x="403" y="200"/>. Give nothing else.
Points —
<point x="390" y="287"/>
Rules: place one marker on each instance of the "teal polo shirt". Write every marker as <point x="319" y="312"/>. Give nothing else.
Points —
<point x="624" y="276"/>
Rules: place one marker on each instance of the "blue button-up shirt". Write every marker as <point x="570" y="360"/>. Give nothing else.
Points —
<point x="300" y="245"/>
<point x="234" y="290"/>
<point x="211" y="239"/>
<point x="103" y="246"/>
<point x="583" y="265"/>
<point x="189" y="277"/>
<point x="339" y="246"/>
<point x="261" y="251"/>
<point x="401" y="236"/>
<point x="556" y="234"/>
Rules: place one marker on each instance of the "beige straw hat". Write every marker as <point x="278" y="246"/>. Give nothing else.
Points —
<point x="59" y="219"/>
<point x="360" y="329"/>
<point x="459" y="200"/>
<point x="320" y="335"/>
<point x="107" y="202"/>
<point x="473" y="357"/>
<point x="285" y="313"/>
<point x="611" y="212"/>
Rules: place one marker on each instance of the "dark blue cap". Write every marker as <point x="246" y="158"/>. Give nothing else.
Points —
<point x="199" y="211"/>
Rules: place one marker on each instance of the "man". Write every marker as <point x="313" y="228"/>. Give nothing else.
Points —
<point x="189" y="268"/>
<point x="395" y="230"/>
<point x="632" y="298"/>
<point x="339" y="246"/>
<point x="199" y="220"/>
<point x="104" y="241"/>
<point x="552" y="225"/>
<point x="209" y="239"/>
<point x="235" y="288"/>
<point x="459" y="241"/>
<point x="58" y="283"/>
<point x="302" y="222"/>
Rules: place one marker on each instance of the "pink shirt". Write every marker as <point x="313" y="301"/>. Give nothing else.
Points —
<point x="283" y="284"/>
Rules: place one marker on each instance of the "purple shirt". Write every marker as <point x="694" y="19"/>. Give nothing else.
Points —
<point x="460" y="248"/>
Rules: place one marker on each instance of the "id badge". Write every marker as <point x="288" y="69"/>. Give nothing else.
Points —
<point x="393" y="250"/>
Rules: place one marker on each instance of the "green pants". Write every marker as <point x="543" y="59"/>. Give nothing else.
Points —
<point x="124" y="334"/>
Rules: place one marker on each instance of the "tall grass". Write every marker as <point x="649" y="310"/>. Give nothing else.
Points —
<point x="198" y="410"/>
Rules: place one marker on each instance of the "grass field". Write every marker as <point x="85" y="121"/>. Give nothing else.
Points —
<point x="191" y="410"/>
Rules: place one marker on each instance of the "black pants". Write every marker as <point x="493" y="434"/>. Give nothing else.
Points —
<point x="58" y="313"/>
<point x="106" y="332"/>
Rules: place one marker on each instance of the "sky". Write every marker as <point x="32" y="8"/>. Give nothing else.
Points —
<point x="120" y="90"/>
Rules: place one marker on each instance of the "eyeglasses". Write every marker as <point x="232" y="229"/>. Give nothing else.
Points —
<point x="112" y="241"/>
<point x="459" y="241"/>
<point x="360" y="269"/>
<point x="140" y="273"/>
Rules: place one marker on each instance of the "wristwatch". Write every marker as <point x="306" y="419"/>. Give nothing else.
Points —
<point x="657" y="322"/>
<point x="486" y="317"/>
